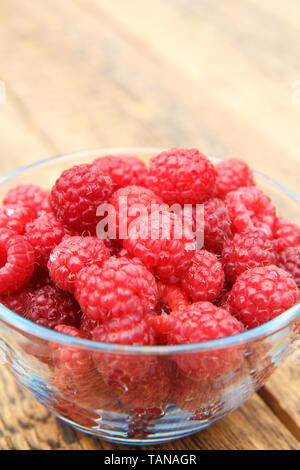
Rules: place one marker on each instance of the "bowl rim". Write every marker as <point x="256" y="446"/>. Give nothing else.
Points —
<point x="23" y="325"/>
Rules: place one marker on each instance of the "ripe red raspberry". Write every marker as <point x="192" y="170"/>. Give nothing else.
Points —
<point x="30" y="196"/>
<point x="70" y="357"/>
<point x="77" y="194"/>
<point x="140" y="171"/>
<point x="123" y="253"/>
<point x="170" y="299"/>
<point x="118" y="370"/>
<point x="51" y="307"/>
<point x="205" y="277"/>
<point x="120" y="172"/>
<point x="19" y="301"/>
<point x="225" y="301"/>
<point x="184" y="176"/>
<point x="71" y="255"/>
<point x="113" y="246"/>
<point x="289" y="260"/>
<point x="120" y="287"/>
<point x="191" y="396"/>
<point x="287" y="234"/>
<point x="261" y="294"/>
<point x="162" y="242"/>
<point x="127" y="204"/>
<point x="251" y="210"/>
<point x="15" y="217"/>
<point x="75" y="374"/>
<point x="86" y="389"/>
<point x="44" y="233"/>
<point x="232" y="174"/>
<point x="16" y="261"/>
<point x="203" y="321"/>
<point x="40" y="278"/>
<point x="125" y="330"/>
<point x="245" y="251"/>
<point x="147" y="393"/>
<point x="87" y="326"/>
<point x="217" y="225"/>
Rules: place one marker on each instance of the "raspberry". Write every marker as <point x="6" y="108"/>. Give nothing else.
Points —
<point x="161" y="325"/>
<point x="87" y="326"/>
<point x="121" y="287"/>
<point x="119" y="370"/>
<point x="192" y="396"/>
<point x="245" y="251"/>
<point x="17" y="302"/>
<point x="30" y="196"/>
<point x="125" y="330"/>
<point x="71" y="255"/>
<point x="77" y="194"/>
<point x="205" y="277"/>
<point x="86" y="389"/>
<point x="225" y="301"/>
<point x="251" y="210"/>
<point x="148" y="392"/>
<point x="287" y="234"/>
<point x="123" y="254"/>
<point x="44" y="233"/>
<point x="75" y="374"/>
<point x="16" y="261"/>
<point x="184" y="176"/>
<point x="36" y="347"/>
<point x="203" y="321"/>
<point x="232" y="174"/>
<point x="140" y="171"/>
<point x="113" y="246"/>
<point x="217" y="225"/>
<point x="171" y="296"/>
<point x="70" y="357"/>
<point x="161" y="241"/>
<point x="15" y="217"/>
<point x="51" y="307"/>
<point x="120" y="172"/>
<point x="289" y="260"/>
<point x="261" y="294"/>
<point x="127" y="204"/>
<point x="40" y="278"/>
<point x="170" y="299"/>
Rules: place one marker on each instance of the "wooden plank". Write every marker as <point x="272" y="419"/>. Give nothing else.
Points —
<point x="192" y="39"/>
<point x="142" y="101"/>
<point x="281" y="394"/>
<point x="21" y="142"/>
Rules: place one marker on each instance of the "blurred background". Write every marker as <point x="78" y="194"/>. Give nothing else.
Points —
<point x="220" y="76"/>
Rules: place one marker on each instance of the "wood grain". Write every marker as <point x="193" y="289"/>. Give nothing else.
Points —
<point x="282" y="394"/>
<point x="211" y="74"/>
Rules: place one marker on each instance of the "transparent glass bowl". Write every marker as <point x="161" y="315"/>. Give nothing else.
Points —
<point x="161" y="404"/>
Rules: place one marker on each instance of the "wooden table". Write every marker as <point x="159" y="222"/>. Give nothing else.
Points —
<point x="216" y="75"/>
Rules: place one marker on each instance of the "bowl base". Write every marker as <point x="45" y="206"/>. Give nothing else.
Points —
<point x="118" y="438"/>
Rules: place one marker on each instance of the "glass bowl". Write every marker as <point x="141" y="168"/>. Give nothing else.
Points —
<point x="160" y="403"/>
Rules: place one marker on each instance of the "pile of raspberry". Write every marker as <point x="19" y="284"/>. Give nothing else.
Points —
<point x="66" y="264"/>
